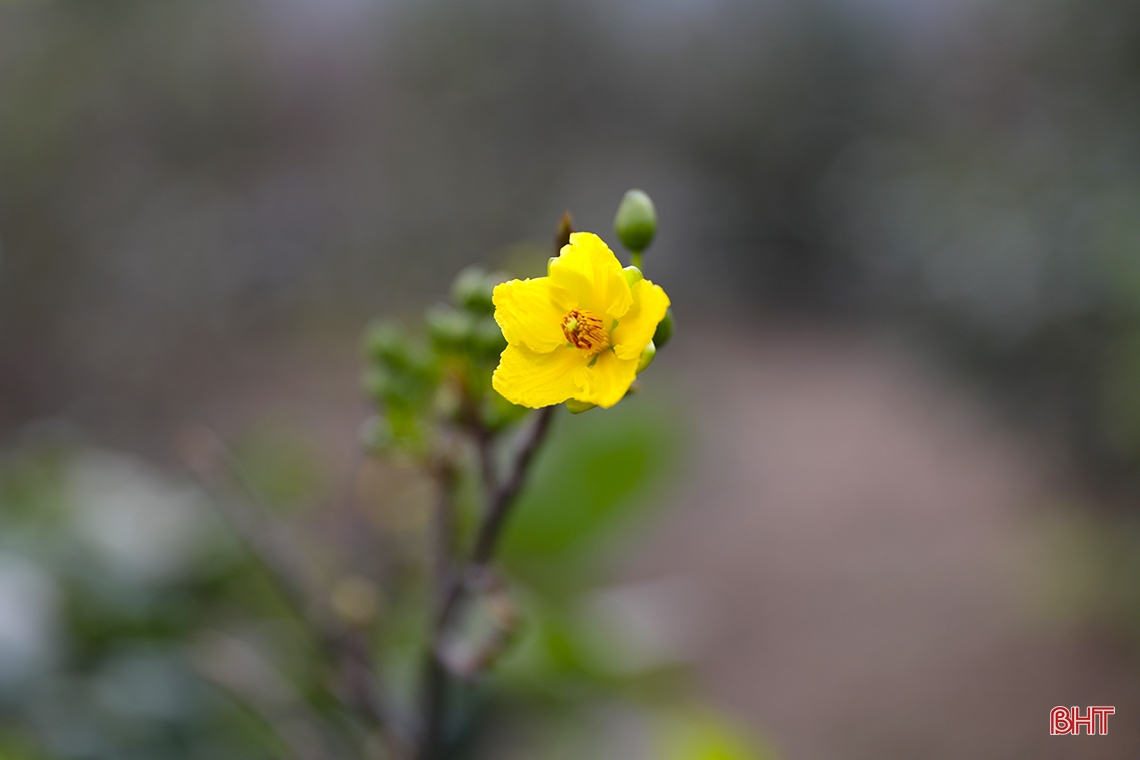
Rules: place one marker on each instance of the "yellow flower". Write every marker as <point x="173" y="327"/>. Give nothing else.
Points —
<point x="577" y="333"/>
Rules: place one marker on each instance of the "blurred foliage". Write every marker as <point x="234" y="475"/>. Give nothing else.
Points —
<point x="130" y="617"/>
<point x="437" y="412"/>
<point x="281" y="466"/>
<point x="1093" y="572"/>
<point x="585" y="485"/>
<point x="108" y="569"/>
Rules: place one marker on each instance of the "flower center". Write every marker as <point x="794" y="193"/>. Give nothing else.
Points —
<point x="584" y="330"/>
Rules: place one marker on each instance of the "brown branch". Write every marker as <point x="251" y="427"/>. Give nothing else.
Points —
<point x="444" y="529"/>
<point x="495" y="519"/>
<point x="435" y="692"/>
<point x="435" y="675"/>
<point x="505" y="495"/>
<point x="456" y="583"/>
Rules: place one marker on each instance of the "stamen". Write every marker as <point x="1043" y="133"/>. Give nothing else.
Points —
<point x="584" y="331"/>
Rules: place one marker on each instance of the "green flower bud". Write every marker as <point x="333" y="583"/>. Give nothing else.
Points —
<point x="449" y="329"/>
<point x="385" y="342"/>
<point x="405" y="426"/>
<point x="472" y="290"/>
<point x="488" y="337"/>
<point x="376" y="384"/>
<point x="647" y="356"/>
<point x="422" y="364"/>
<point x="636" y="221"/>
<point x="376" y="433"/>
<point x="664" y="329"/>
<point x="632" y="275"/>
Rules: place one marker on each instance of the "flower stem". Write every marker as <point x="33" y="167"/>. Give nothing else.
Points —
<point x="500" y="506"/>
<point x="436" y="679"/>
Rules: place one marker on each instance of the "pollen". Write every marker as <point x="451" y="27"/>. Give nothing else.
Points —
<point x="584" y="331"/>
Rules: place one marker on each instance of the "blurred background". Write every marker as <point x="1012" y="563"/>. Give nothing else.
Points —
<point x="881" y="497"/>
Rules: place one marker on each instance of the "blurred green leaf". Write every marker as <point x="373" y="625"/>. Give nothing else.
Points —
<point x="597" y="469"/>
<point x="701" y="734"/>
<point x="16" y="745"/>
<point x="282" y="467"/>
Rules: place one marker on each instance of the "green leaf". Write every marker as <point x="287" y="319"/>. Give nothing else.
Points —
<point x="595" y="472"/>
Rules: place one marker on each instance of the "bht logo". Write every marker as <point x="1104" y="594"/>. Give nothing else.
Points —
<point x="1068" y="720"/>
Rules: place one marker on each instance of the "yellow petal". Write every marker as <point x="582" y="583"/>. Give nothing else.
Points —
<point x="530" y="312"/>
<point x="636" y="328"/>
<point x="534" y="379"/>
<point x="606" y="382"/>
<point x="588" y="269"/>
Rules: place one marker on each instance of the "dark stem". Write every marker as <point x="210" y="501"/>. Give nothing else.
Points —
<point x="435" y="683"/>
<point x="436" y="680"/>
<point x="484" y="441"/>
<point x="444" y="531"/>
<point x="435" y="691"/>
<point x="500" y="506"/>
<point x="497" y="512"/>
<point x="451" y="582"/>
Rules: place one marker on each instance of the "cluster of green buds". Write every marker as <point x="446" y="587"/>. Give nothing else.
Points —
<point x="441" y="401"/>
<point x="415" y="383"/>
<point x="445" y="376"/>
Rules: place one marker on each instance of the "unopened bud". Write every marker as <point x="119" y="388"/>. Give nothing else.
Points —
<point x="376" y="433"/>
<point x="636" y="221"/>
<point x="385" y="342"/>
<point x="488" y="337"/>
<point x="472" y="290"/>
<point x="447" y="327"/>
<point x="376" y="384"/>
<point x="664" y="329"/>
<point x="647" y="356"/>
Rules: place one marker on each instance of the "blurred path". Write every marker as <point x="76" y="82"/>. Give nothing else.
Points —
<point x="857" y="533"/>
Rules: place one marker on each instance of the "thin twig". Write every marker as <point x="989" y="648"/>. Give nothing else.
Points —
<point x="505" y="495"/>
<point x="435" y="691"/>
<point x="496" y="516"/>
<point x="457" y="582"/>
<point x="435" y="676"/>
<point x="444" y="529"/>
<point x="468" y="662"/>
<point x="484" y="442"/>
<point x="287" y="564"/>
<point x="239" y="669"/>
